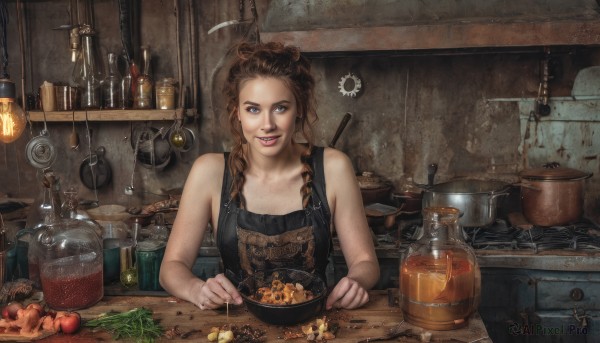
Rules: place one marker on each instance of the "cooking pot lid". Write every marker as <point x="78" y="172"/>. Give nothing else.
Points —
<point x="553" y="171"/>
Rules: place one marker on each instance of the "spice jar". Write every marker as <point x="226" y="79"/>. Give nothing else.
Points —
<point x="148" y="257"/>
<point x="68" y="255"/>
<point x="440" y="280"/>
<point x="166" y="90"/>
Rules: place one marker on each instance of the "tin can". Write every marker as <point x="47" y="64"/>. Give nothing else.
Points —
<point x="149" y="255"/>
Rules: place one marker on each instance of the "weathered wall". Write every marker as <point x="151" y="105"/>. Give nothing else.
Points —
<point x="414" y="108"/>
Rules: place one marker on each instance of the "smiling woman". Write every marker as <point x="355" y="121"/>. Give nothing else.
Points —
<point x="279" y="196"/>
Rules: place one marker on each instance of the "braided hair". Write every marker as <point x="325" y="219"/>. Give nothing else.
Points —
<point x="272" y="59"/>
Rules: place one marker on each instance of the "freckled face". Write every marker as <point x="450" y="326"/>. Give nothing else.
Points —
<point x="267" y="112"/>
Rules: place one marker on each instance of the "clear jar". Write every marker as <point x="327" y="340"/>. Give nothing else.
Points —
<point x="111" y="87"/>
<point x="440" y="279"/>
<point x="166" y="92"/>
<point x="68" y="257"/>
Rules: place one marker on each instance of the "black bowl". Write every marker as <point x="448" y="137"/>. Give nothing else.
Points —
<point x="284" y="314"/>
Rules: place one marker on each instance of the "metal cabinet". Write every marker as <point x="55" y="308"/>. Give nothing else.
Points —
<point x="528" y="305"/>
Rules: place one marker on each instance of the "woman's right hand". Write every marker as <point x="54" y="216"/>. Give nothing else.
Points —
<point x="215" y="292"/>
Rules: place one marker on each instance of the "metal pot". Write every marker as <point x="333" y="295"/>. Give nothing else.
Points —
<point x="476" y="199"/>
<point x="552" y="195"/>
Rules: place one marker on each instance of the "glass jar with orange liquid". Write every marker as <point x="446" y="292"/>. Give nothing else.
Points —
<point x="440" y="279"/>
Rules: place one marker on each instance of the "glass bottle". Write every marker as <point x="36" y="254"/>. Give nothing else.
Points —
<point x="144" y="84"/>
<point x="70" y="204"/>
<point x="111" y="87"/>
<point x="87" y="72"/>
<point x="440" y="279"/>
<point x="126" y="94"/>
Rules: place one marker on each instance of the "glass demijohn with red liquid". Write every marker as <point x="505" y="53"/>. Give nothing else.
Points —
<point x="68" y="254"/>
<point x="440" y="279"/>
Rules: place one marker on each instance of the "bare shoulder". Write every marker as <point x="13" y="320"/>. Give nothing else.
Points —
<point x="335" y="162"/>
<point x="207" y="168"/>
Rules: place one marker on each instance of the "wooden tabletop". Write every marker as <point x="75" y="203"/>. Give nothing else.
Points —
<point x="372" y="320"/>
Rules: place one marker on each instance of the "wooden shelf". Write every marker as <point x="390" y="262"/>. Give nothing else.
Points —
<point x="106" y="115"/>
<point x="486" y="34"/>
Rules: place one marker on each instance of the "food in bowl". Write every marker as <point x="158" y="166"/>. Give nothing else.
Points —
<point x="280" y="293"/>
<point x="284" y="314"/>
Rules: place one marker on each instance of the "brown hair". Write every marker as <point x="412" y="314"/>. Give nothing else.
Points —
<point x="253" y="60"/>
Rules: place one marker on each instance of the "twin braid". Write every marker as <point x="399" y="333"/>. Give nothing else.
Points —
<point x="307" y="176"/>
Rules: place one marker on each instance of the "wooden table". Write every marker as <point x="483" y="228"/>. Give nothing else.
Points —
<point x="373" y="320"/>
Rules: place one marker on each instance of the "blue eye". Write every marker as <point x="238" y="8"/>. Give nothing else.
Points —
<point x="280" y="108"/>
<point x="252" y="109"/>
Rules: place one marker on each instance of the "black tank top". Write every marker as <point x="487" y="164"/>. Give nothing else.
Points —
<point x="250" y="242"/>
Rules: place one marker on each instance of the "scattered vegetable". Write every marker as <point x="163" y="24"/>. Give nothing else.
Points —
<point x="136" y="323"/>
<point x="220" y="335"/>
<point x="234" y="333"/>
<point x="29" y="321"/>
<point x="10" y="311"/>
<point x="67" y="322"/>
<point x="318" y="331"/>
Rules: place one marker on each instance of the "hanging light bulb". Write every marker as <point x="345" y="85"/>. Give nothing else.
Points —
<point x="12" y="118"/>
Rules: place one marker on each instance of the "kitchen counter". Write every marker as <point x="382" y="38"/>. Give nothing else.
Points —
<point x="373" y="320"/>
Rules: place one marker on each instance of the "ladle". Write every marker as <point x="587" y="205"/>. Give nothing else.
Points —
<point x="129" y="189"/>
<point x="74" y="138"/>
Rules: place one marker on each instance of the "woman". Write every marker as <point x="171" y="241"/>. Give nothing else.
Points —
<point x="274" y="200"/>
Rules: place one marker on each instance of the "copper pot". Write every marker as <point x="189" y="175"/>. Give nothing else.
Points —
<point x="552" y="195"/>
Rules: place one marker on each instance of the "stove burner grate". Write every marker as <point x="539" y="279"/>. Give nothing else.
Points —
<point x="580" y="236"/>
<point x="501" y="236"/>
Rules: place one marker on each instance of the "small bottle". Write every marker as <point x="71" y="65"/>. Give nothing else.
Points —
<point x="144" y="84"/>
<point x="126" y="93"/>
<point x="111" y="87"/>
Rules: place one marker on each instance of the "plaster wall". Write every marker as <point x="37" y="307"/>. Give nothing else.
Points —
<point x="414" y="108"/>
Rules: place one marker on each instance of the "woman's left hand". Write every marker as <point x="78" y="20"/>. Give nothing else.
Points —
<point x="348" y="294"/>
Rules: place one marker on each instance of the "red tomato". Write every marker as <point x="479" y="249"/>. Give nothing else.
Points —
<point x="69" y="322"/>
<point x="10" y="311"/>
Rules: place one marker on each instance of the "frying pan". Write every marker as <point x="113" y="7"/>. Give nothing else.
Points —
<point x="95" y="172"/>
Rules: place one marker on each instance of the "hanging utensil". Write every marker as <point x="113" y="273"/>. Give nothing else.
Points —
<point x="95" y="172"/>
<point x="177" y="137"/>
<point x="40" y="151"/>
<point x="74" y="138"/>
<point x="92" y="171"/>
<point x="129" y="189"/>
<point x="340" y="128"/>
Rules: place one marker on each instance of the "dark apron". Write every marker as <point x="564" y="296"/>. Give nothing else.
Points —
<point x="249" y="242"/>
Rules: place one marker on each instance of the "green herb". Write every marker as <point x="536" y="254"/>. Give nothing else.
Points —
<point x="136" y="323"/>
